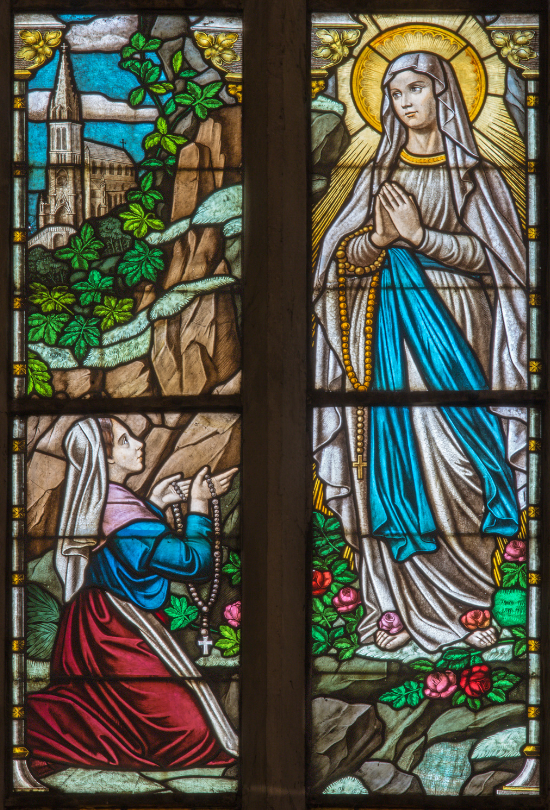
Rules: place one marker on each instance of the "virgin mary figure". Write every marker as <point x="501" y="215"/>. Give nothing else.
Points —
<point x="123" y="695"/>
<point x="420" y="285"/>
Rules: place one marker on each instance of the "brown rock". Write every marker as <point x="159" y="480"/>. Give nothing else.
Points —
<point x="133" y="379"/>
<point x="77" y="382"/>
<point x="52" y="440"/>
<point x="144" y="295"/>
<point x="343" y="735"/>
<point x="36" y="427"/>
<point x="194" y="180"/>
<point x="384" y="777"/>
<point x="180" y="420"/>
<point x="484" y="784"/>
<point x="137" y="422"/>
<point x="45" y="478"/>
<point x="221" y="133"/>
<point x="158" y="445"/>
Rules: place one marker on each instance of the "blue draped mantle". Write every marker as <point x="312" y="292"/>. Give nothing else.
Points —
<point x="411" y="311"/>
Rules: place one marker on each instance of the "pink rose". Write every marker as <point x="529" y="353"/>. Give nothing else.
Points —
<point x="346" y="600"/>
<point x="391" y="623"/>
<point x="515" y="551"/>
<point x="440" y="684"/>
<point x="233" y="614"/>
<point x="476" y="619"/>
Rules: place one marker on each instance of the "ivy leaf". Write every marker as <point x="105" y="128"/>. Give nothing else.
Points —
<point x="138" y="41"/>
<point x="92" y="289"/>
<point x="55" y="300"/>
<point x="46" y="327"/>
<point x="409" y="693"/>
<point x="38" y="376"/>
<point x="142" y="262"/>
<point x="113" y="311"/>
<point x="458" y="699"/>
<point x="140" y="222"/>
<point x="177" y="60"/>
<point x="233" y="568"/>
<point x="81" y="334"/>
<point x="137" y="96"/>
<point x="181" y="612"/>
<point x="230" y="643"/>
<point x="321" y="643"/>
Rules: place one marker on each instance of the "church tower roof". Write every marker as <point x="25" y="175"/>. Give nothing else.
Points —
<point x="65" y="101"/>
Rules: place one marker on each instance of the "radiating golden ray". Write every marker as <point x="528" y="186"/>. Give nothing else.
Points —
<point x="496" y="75"/>
<point x="495" y="123"/>
<point x="514" y="173"/>
<point x="451" y="21"/>
<point x="353" y="120"/>
<point x="467" y="65"/>
<point x="366" y="85"/>
<point x="474" y="33"/>
<point x="501" y="543"/>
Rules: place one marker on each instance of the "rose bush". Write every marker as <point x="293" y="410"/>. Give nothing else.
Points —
<point x="440" y="684"/>
<point x="346" y="600"/>
<point x="476" y="681"/>
<point x="476" y="619"/>
<point x="515" y="551"/>
<point x="320" y="582"/>
<point x="232" y="613"/>
<point x="391" y="623"/>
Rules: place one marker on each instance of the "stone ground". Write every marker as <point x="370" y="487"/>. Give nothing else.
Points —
<point x="192" y="780"/>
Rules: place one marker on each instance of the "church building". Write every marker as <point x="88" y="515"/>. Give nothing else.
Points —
<point x="84" y="178"/>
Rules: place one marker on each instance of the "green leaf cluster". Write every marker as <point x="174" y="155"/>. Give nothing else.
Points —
<point x="457" y="658"/>
<point x="410" y="693"/>
<point x="230" y="641"/>
<point x="82" y="249"/>
<point x="92" y="289"/>
<point x="146" y="194"/>
<point x="233" y="568"/>
<point x="142" y="262"/>
<point x="114" y="310"/>
<point x="81" y="334"/>
<point x="38" y="376"/>
<point x="514" y="575"/>
<point x="55" y="300"/>
<point x="139" y="222"/>
<point x="201" y="99"/>
<point x="43" y="614"/>
<point x="163" y="138"/>
<point x="520" y="644"/>
<point x="46" y="327"/>
<point x="181" y="612"/>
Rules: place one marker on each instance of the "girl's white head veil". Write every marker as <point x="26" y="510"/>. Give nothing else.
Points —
<point x="454" y="124"/>
<point x="86" y="484"/>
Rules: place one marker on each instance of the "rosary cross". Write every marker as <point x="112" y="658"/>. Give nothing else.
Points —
<point x="205" y="643"/>
<point x="360" y="466"/>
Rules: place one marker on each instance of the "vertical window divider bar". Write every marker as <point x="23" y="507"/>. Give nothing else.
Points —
<point x="275" y="480"/>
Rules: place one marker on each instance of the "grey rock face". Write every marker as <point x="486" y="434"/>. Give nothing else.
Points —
<point x="484" y="784"/>
<point x="384" y="777"/>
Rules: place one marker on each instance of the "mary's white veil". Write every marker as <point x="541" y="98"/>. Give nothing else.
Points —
<point x="86" y="484"/>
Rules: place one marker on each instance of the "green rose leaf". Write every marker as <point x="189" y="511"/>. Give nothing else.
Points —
<point x="458" y="699"/>
<point x="230" y="641"/>
<point x="496" y="695"/>
<point x="409" y="693"/>
<point x="422" y="665"/>
<point x="113" y="311"/>
<point x="92" y="289"/>
<point x="38" y="376"/>
<point x="321" y="643"/>
<point x="81" y="334"/>
<point x="502" y="679"/>
<point x="457" y="658"/>
<point x="181" y="612"/>
<point x="233" y="567"/>
<point x="46" y="327"/>
<point x="473" y="703"/>
<point x="514" y="574"/>
<point x="328" y="535"/>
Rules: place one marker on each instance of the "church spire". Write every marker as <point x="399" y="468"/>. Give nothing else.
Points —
<point x="65" y="102"/>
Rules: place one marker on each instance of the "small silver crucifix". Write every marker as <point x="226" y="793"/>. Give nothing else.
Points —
<point x="205" y="642"/>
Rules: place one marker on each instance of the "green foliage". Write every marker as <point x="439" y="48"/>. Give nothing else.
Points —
<point x="321" y="641"/>
<point x="81" y="249"/>
<point x="38" y="376"/>
<point x="140" y="222"/>
<point x="520" y="644"/>
<point x="55" y="300"/>
<point x="114" y="310"/>
<point x="422" y="665"/>
<point x="230" y="641"/>
<point x="146" y="195"/>
<point x="233" y="568"/>
<point x="114" y="238"/>
<point x="81" y="334"/>
<point x="46" y="327"/>
<point x="142" y="262"/>
<point x="92" y="289"/>
<point x="473" y="703"/>
<point x="458" y="658"/>
<point x="201" y="99"/>
<point x="182" y="612"/>
<point x="323" y="614"/>
<point x="43" y="267"/>
<point x="346" y="647"/>
<point x="409" y="693"/>
<point x="328" y="535"/>
<point x="514" y="574"/>
<point x="43" y="614"/>
<point x="458" y="699"/>
<point x="163" y="138"/>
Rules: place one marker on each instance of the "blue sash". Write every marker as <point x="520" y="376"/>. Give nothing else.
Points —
<point x="411" y="311"/>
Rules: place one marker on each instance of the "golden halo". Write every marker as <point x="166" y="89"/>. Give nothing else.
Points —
<point x="371" y="64"/>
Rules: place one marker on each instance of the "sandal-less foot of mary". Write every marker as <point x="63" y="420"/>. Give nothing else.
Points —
<point x="386" y="641"/>
<point x="482" y="638"/>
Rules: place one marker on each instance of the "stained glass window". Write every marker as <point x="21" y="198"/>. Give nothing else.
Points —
<point x="125" y="526"/>
<point x="425" y="305"/>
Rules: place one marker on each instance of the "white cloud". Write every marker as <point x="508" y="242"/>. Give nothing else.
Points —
<point x="95" y="107"/>
<point x="107" y="34"/>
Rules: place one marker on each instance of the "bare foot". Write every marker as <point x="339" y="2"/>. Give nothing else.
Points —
<point x="388" y="642"/>
<point x="482" y="638"/>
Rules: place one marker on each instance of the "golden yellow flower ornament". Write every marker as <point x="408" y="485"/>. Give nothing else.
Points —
<point x="38" y="48"/>
<point x="218" y="49"/>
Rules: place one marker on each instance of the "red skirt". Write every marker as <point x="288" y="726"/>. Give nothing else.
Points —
<point x="112" y="703"/>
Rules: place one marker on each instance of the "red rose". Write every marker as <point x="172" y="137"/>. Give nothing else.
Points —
<point x="346" y="600"/>
<point x="476" y="681"/>
<point x="320" y="582"/>
<point x="476" y="619"/>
